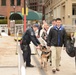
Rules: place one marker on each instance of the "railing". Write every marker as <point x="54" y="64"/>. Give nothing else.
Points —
<point x="21" y="66"/>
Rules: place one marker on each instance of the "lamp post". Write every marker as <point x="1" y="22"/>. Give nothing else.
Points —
<point x="8" y="21"/>
<point x="14" y="20"/>
<point x="24" y="15"/>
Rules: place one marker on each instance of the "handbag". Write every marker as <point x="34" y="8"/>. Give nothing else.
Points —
<point x="70" y="49"/>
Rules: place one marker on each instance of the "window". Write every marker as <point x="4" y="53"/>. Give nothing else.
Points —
<point x="3" y="2"/>
<point x="40" y="1"/>
<point x="12" y="2"/>
<point x="18" y="2"/>
<point x="74" y="9"/>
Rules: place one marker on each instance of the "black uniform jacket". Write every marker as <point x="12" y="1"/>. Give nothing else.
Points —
<point x="28" y="36"/>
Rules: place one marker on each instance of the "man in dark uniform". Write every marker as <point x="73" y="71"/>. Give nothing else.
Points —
<point x="27" y="37"/>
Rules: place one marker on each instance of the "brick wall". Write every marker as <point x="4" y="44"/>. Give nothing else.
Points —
<point x="5" y="10"/>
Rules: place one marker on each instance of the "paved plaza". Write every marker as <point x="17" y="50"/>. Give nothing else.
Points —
<point x="67" y="66"/>
<point x="9" y="61"/>
<point x="8" y="57"/>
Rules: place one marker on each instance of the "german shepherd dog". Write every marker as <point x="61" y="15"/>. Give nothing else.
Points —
<point x="44" y="57"/>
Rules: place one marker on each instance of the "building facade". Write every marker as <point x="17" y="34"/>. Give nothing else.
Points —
<point x="9" y="6"/>
<point x="36" y="5"/>
<point x="64" y="9"/>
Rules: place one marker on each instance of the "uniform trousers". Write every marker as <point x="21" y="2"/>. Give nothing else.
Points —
<point x="27" y="54"/>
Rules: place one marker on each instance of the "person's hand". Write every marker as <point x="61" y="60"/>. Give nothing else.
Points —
<point x="48" y="48"/>
<point x="38" y="36"/>
<point x="38" y="47"/>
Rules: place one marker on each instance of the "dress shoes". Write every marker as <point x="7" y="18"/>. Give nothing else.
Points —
<point x="30" y="65"/>
<point x="53" y="70"/>
<point x="57" y="69"/>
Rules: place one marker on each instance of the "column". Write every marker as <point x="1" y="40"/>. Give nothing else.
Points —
<point x="68" y="12"/>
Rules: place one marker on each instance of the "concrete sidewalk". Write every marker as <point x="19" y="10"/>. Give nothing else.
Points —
<point x="67" y="66"/>
<point x="9" y="61"/>
<point x="8" y="57"/>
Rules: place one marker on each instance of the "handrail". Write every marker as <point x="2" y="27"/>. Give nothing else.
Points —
<point x="75" y="59"/>
<point x="21" y="62"/>
<point x="21" y="66"/>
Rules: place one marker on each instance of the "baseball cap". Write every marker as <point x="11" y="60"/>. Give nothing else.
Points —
<point x="36" y="25"/>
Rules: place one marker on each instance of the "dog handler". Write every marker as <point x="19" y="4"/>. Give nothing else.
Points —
<point x="29" y="36"/>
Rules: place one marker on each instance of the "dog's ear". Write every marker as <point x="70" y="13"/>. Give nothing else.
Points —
<point x="44" y="47"/>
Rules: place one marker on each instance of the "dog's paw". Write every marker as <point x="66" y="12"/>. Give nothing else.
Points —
<point x="41" y="67"/>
